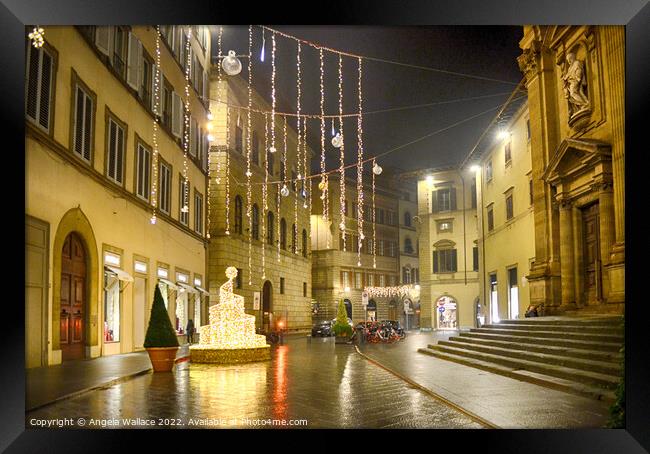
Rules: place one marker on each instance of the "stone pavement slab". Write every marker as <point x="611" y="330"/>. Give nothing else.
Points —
<point x="506" y="402"/>
<point x="44" y="385"/>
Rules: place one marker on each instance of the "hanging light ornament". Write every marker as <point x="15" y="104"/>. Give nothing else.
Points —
<point x="231" y="64"/>
<point x="248" y="156"/>
<point x="334" y="130"/>
<point x="263" y="46"/>
<point x="337" y="140"/>
<point x="360" y="169"/>
<point x="376" y="169"/>
<point x="186" y="114"/>
<point x="284" y="191"/>
<point x="341" y="156"/>
<point x="37" y="37"/>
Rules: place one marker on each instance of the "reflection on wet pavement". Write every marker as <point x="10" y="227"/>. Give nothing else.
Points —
<point x="325" y="384"/>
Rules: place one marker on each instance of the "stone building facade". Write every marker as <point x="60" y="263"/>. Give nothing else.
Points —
<point x="448" y="234"/>
<point x="275" y="238"/>
<point x="336" y="272"/>
<point x="93" y="257"/>
<point x="576" y="95"/>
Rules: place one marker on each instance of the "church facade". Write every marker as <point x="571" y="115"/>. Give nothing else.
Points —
<point x="574" y="76"/>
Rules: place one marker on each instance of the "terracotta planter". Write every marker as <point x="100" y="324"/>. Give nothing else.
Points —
<point x="162" y="358"/>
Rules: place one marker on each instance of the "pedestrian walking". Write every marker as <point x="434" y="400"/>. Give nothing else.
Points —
<point x="189" y="331"/>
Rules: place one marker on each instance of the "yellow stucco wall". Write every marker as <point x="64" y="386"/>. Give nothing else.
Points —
<point x="71" y="195"/>
<point x="511" y="242"/>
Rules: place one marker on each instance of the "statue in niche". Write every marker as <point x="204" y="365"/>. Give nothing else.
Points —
<point x="575" y="83"/>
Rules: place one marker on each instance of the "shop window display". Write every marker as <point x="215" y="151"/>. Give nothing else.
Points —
<point x="111" y="308"/>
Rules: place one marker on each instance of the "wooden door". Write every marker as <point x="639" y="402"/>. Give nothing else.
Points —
<point x="73" y="298"/>
<point x="591" y="253"/>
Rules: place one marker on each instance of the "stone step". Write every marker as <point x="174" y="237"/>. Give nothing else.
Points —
<point x="549" y="349"/>
<point x="587" y="329"/>
<point x="603" y="367"/>
<point x="568" y="373"/>
<point x="552" y="334"/>
<point x="527" y="376"/>
<point x="596" y="321"/>
<point x="613" y="347"/>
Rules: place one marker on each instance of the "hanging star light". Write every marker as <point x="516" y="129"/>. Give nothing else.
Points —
<point x="37" y="37"/>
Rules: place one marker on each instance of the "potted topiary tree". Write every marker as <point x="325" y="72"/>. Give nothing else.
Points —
<point x="342" y="329"/>
<point x="161" y="341"/>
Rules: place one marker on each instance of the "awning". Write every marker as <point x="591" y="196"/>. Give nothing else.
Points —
<point x="202" y="290"/>
<point x="188" y="288"/>
<point x="121" y="275"/>
<point x="169" y="283"/>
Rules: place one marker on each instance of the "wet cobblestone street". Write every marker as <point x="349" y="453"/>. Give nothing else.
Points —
<point x="328" y="385"/>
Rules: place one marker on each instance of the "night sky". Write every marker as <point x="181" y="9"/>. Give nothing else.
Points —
<point x="485" y="51"/>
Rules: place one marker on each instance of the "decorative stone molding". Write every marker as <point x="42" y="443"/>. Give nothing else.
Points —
<point x="529" y="61"/>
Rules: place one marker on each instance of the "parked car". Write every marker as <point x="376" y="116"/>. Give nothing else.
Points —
<point x="322" y="329"/>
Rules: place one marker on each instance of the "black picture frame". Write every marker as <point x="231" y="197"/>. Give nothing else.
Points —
<point x="634" y="14"/>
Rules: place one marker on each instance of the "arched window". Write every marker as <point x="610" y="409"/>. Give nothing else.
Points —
<point x="304" y="243"/>
<point x="294" y="238"/>
<point x="269" y="228"/>
<point x="255" y="216"/>
<point x="238" y="215"/>
<point x="408" y="246"/>
<point x="407" y="219"/>
<point x="283" y="233"/>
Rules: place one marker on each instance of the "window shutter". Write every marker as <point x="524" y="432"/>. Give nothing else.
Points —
<point x="435" y="262"/>
<point x="89" y="124"/>
<point x="133" y="62"/>
<point x="32" y="82"/>
<point x="103" y="39"/>
<point x="79" y="122"/>
<point x="46" y="81"/>
<point x="434" y="201"/>
<point x="120" y="153"/>
<point x="205" y="86"/>
<point x="454" y="266"/>
<point x="452" y="198"/>
<point x="177" y="115"/>
<point x="112" y="140"/>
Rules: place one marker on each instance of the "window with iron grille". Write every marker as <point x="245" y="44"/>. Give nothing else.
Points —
<point x="475" y="258"/>
<point x="83" y="133"/>
<point x="115" y="152"/>
<point x="283" y="233"/>
<point x="40" y="66"/>
<point x="270" y="236"/>
<point x="281" y="286"/>
<point x="508" y="153"/>
<point x="304" y="243"/>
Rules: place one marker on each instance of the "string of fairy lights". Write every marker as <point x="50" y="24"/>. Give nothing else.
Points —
<point x="186" y="120"/>
<point x="301" y="180"/>
<point x="341" y="144"/>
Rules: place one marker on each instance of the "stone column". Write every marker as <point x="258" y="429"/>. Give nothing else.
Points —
<point x="538" y="65"/>
<point x="566" y="256"/>
<point x="614" y="53"/>
<point x="606" y="212"/>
